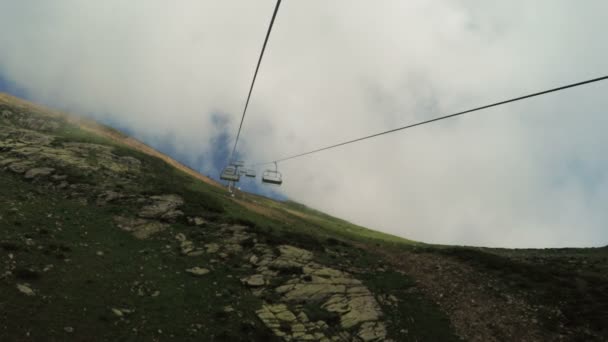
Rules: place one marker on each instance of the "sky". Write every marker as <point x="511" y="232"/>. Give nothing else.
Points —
<point x="176" y="75"/>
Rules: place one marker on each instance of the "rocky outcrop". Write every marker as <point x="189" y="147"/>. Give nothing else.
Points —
<point x="163" y="207"/>
<point x="140" y="228"/>
<point x="332" y="291"/>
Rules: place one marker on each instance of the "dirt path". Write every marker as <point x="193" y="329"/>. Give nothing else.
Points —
<point x="477" y="304"/>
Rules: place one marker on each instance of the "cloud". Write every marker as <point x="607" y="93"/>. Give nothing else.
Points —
<point x="526" y="174"/>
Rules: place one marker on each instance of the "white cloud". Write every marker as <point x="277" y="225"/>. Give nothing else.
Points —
<point x="526" y="174"/>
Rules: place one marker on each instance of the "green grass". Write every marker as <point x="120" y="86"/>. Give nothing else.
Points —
<point x="82" y="287"/>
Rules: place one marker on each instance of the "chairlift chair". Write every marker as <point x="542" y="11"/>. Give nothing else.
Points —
<point x="238" y="163"/>
<point x="250" y="173"/>
<point x="230" y="173"/>
<point x="272" y="176"/>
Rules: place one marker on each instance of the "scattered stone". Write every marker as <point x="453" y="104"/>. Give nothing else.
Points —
<point x="197" y="271"/>
<point x="26" y="289"/>
<point x="59" y="177"/>
<point x="155" y="294"/>
<point x="118" y="312"/>
<point x="196" y="253"/>
<point x="162" y="206"/>
<point x="38" y="172"/>
<point x="172" y="215"/>
<point x="148" y="229"/>
<point x="68" y="329"/>
<point x="186" y="247"/>
<point x="228" y="308"/>
<point x="19" y="167"/>
<point x="99" y="253"/>
<point x="256" y="280"/>
<point x="140" y="228"/>
<point x="180" y="237"/>
<point x="108" y="196"/>
<point x="197" y="221"/>
<point x="212" y="247"/>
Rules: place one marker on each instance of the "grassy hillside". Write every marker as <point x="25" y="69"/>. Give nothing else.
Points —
<point x="103" y="238"/>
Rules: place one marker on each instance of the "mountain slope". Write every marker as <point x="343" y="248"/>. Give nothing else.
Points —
<point x="104" y="238"/>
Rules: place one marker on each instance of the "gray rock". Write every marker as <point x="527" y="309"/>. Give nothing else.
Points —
<point x="39" y="172"/>
<point x="256" y="280"/>
<point x="108" y="196"/>
<point x="212" y="248"/>
<point x="195" y="253"/>
<point x="148" y="229"/>
<point x="19" y="167"/>
<point x="26" y="289"/>
<point x="172" y="215"/>
<point x="332" y="290"/>
<point x="161" y="205"/>
<point x="140" y="228"/>
<point x="372" y="331"/>
<point x="197" y="221"/>
<point x="197" y="271"/>
<point x="180" y="237"/>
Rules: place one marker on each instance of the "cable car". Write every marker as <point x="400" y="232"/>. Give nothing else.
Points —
<point x="250" y="173"/>
<point x="272" y="176"/>
<point x="230" y="173"/>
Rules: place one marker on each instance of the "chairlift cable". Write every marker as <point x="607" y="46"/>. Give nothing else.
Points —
<point x="437" y="119"/>
<point x="274" y="15"/>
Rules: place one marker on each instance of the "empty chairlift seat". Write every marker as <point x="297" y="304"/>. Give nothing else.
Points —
<point x="250" y="173"/>
<point x="272" y="176"/>
<point x="230" y="173"/>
